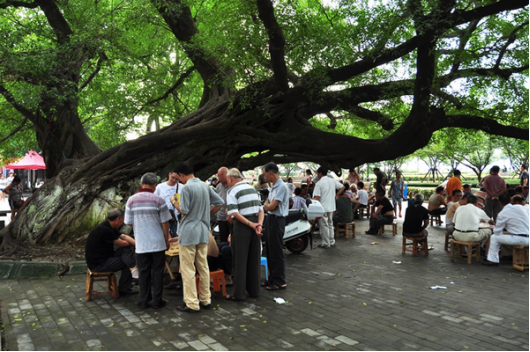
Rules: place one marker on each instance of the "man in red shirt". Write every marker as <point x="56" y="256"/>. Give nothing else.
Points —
<point x="494" y="186"/>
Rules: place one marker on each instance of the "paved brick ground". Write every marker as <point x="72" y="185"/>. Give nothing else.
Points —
<point x="351" y="297"/>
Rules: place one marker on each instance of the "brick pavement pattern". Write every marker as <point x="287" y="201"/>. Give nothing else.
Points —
<point x="349" y="297"/>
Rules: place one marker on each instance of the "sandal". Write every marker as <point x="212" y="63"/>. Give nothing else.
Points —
<point x="232" y="298"/>
<point x="275" y="287"/>
<point x="266" y="283"/>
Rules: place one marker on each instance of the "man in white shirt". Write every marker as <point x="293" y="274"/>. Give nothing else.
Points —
<point x="325" y="193"/>
<point x="362" y="199"/>
<point x="166" y="190"/>
<point x="466" y="221"/>
<point x="513" y="219"/>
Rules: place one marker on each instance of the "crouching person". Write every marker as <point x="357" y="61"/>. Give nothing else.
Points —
<point x="101" y="256"/>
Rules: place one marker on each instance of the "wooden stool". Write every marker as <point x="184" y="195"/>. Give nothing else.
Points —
<point x="363" y="212"/>
<point x="112" y="284"/>
<point x="473" y="250"/>
<point x="520" y="258"/>
<point x="415" y="245"/>
<point x="347" y="228"/>
<point x="394" y="228"/>
<point x="217" y="276"/>
<point x="435" y="219"/>
<point x="448" y="236"/>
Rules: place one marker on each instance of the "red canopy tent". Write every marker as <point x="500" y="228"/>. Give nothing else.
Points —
<point x="32" y="160"/>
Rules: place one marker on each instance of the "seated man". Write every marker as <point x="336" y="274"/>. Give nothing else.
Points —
<point x="383" y="213"/>
<point x="436" y="201"/>
<point x="344" y="212"/>
<point x="466" y="189"/>
<point x="466" y="222"/>
<point x="416" y="219"/>
<point x="298" y="200"/>
<point x="459" y="200"/>
<point x="101" y="256"/>
<point x="514" y="220"/>
<point x="220" y="257"/>
<point x="362" y="199"/>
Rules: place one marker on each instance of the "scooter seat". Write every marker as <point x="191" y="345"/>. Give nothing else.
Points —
<point x="293" y="216"/>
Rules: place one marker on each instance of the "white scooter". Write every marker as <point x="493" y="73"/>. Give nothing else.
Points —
<point x="298" y="229"/>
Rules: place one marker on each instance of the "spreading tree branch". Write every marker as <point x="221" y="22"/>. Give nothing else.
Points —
<point x="276" y="43"/>
<point x="15" y="131"/>
<point x="102" y="57"/>
<point x="13" y="3"/>
<point x="56" y="19"/>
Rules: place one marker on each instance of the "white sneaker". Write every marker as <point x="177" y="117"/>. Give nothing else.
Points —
<point x="134" y="273"/>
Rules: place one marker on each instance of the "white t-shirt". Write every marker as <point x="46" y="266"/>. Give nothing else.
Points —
<point x="362" y="195"/>
<point x="166" y="191"/>
<point x="326" y="189"/>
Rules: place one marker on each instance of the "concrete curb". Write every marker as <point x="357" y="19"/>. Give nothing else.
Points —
<point x="24" y="270"/>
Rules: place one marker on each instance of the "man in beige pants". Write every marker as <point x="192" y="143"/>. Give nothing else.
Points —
<point x="197" y="204"/>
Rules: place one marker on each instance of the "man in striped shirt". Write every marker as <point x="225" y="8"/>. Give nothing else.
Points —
<point x="149" y="216"/>
<point x="244" y="208"/>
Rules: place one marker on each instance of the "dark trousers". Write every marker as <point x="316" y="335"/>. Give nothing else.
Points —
<point x="439" y="211"/>
<point x="225" y="229"/>
<point x="151" y="268"/>
<point x="246" y="249"/>
<point x="223" y="260"/>
<point x="376" y="223"/>
<point x="123" y="259"/>
<point x="274" y="250"/>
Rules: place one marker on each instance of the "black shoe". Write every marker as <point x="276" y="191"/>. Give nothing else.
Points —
<point x="206" y="306"/>
<point x="159" y="305"/>
<point x="488" y="263"/>
<point x="186" y="309"/>
<point x="128" y="292"/>
<point x="142" y="305"/>
<point x="323" y="246"/>
<point x="371" y="232"/>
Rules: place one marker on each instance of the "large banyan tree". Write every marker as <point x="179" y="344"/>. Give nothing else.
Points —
<point x="240" y="83"/>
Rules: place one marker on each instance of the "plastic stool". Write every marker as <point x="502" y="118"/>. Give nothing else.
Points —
<point x="218" y="277"/>
<point x="264" y="263"/>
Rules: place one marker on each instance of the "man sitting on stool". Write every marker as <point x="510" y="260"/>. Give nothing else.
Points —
<point x="416" y="219"/>
<point x="513" y="219"/>
<point x="101" y="256"/>
<point x="383" y="213"/>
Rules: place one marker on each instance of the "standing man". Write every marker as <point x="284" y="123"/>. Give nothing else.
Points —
<point x="326" y="193"/>
<point x="196" y="200"/>
<point x="524" y="175"/>
<point x="514" y="220"/>
<point x="100" y="254"/>
<point x="382" y="180"/>
<point x="166" y="190"/>
<point x="225" y="228"/>
<point x="149" y="216"/>
<point x="494" y="186"/>
<point x="245" y="208"/>
<point x="454" y="183"/>
<point x="277" y="204"/>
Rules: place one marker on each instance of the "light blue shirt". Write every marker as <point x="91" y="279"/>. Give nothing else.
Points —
<point x="195" y="201"/>
<point x="280" y="192"/>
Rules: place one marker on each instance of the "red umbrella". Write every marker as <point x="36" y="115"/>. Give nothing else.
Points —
<point x="32" y="160"/>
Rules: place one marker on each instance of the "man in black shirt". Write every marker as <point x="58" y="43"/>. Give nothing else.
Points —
<point x="101" y="256"/>
<point x="416" y="219"/>
<point x="382" y="214"/>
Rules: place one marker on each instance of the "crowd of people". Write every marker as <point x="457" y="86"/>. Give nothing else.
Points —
<point x="182" y="209"/>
